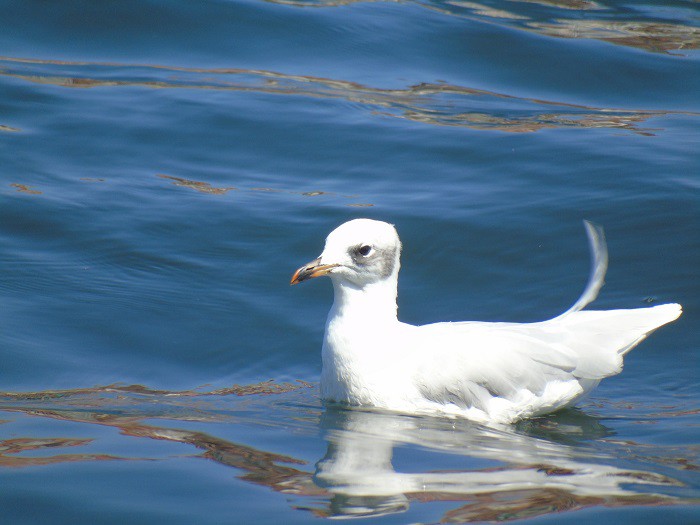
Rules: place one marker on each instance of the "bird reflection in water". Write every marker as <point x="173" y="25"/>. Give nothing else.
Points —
<point x="504" y="473"/>
<point x="535" y="468"/>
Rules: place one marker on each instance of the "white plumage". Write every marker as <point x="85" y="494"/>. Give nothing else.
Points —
<point x="488" y="372"/>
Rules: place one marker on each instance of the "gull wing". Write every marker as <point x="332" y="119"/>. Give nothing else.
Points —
<point x="469" y="363"/>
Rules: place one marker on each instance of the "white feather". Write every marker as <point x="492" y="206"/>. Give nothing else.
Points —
<point x="490" y="372"/>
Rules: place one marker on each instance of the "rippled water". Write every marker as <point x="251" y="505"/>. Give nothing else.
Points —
<point x="167" y="165"/>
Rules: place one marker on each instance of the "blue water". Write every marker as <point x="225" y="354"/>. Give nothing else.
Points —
<point x="166" y="166"/>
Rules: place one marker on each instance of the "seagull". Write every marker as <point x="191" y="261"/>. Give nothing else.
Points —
<point x="489" y="372"/>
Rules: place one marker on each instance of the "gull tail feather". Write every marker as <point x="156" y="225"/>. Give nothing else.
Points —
<point x="600" y="339"/>
<point x="599" y="267"/>
<point x="649" y="319"/>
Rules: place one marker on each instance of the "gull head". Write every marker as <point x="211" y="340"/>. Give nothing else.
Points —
<point x="358" y="253"/>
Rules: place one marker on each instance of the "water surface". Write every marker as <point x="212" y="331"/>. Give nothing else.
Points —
<point x="167" y="165"/>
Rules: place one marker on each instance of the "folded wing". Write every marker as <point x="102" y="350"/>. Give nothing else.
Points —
<point x="538" y="366"/>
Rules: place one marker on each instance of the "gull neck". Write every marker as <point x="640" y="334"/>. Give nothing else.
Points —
<point x="374" y="302"/>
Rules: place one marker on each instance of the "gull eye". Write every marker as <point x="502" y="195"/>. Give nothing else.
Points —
<point x="364" y="250"/>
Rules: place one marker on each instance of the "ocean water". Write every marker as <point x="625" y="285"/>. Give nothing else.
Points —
<point x="165" y="167"/>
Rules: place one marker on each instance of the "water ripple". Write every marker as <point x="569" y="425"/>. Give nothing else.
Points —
<point x="560" y="463"/>
<point x="656" y="29"/>
<point x="440" y="104"/>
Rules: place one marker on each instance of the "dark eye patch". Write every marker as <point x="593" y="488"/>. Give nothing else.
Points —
<point x="380" y="260"/>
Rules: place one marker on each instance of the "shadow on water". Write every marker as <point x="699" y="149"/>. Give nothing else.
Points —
<point x="538" y="467"/>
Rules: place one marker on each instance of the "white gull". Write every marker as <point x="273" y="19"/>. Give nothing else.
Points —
<point x="487" y="372"/>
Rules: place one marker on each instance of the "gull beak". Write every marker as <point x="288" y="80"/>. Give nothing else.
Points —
<point x="311" y="270"/>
